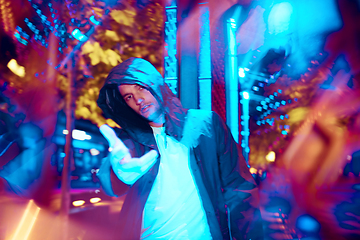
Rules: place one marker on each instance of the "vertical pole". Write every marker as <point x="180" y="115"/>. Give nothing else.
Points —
<point x="231" y="81"/>
<point x="188" y="45"/>
<point x="65" y="177"/>
<point x="205" y="80"/>
<point x="245" y="117"/>
<point x="170" y="60"/>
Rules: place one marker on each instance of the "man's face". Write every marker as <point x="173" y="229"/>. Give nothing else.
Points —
<point x="141" y="101"/>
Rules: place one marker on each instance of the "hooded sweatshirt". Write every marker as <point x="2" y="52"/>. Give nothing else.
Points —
<point x="223" y="185"/>
<point x="143" y="73"/>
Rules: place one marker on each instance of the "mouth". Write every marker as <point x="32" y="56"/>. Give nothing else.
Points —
<point x="145" y="108"/>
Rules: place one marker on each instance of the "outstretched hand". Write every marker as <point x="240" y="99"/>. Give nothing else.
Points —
<point x="126" y="168"/>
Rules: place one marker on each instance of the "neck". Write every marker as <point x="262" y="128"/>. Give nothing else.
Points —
<point x="159" y="122"/>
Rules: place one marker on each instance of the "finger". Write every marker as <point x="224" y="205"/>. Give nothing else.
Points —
<point x="118" y="156"/>
<point x="111" y="137"/>
<point x="130" y="164"/>
<point x="109" y="134"/>
<point x="138" y="164"/>
<point x="149" y="157"/>
<point x="149" y="160"/>
<point x="147" y="166"/>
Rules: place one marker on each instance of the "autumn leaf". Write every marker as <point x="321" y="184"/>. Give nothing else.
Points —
<point x="98" y="11"/>
<point x="112" y="35"/>
<point x="87" y="48"/>
<point x="112" y="57"/>
<point x="96" y="54"/>
<point x="125" y="17"/>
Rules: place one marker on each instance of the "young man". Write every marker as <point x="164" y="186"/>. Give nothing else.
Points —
<point x="198" y="187"/>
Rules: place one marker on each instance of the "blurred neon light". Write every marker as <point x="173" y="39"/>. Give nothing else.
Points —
<point x="270" y="157"/>
<point x="246" y="131"/>
<point x="26" y="224"/>
<point x="80" y="135"/>
<point x="253" y="170"/>
<point x="245" y="95"/>
<point x="94" y="152"/>
<point x="94" y="21"/>
<point x="95" y="200"/>
<point x="241" y="72"/>
<point x="78" y="203"/>
<point x="79" y="36"/>
<point x="16" y="68"/>
<point x="308" y="223"/>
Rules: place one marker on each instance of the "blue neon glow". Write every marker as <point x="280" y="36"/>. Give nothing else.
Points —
<point x="78" y="35"/>
<point x="93" y="20"/>
<point x="308" y="223"/>
<point x="241" y="72"/>
<point x="246" y="131"/>
<point x="245" y="95"/>
<point x="80" y="135"/>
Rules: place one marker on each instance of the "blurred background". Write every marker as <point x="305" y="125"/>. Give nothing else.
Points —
<point x="283" y="74"/>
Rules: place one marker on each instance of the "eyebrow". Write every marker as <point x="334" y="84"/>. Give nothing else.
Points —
<point x="125" y="95"/>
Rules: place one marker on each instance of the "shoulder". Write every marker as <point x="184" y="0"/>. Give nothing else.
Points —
<point x="199" y="114"/>
<point x="203" y="116"/>
<point x="198" y="123"/>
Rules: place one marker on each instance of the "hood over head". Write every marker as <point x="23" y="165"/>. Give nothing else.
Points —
<point x="141" y="72"/>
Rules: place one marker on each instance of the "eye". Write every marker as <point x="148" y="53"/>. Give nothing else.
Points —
<point x="128" y="97"/>
<point x="141" y="88"/>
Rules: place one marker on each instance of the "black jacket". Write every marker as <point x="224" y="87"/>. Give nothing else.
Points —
<point x="226" y="187"/>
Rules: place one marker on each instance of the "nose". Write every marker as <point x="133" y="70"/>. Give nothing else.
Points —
<point x="138" y="99"/>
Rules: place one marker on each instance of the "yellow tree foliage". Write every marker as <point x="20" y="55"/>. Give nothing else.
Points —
<point x="128" y="30"/>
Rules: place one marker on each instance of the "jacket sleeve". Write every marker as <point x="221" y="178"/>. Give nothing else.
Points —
<point x="239" y="188"/>
<point x="110" y="183"/>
